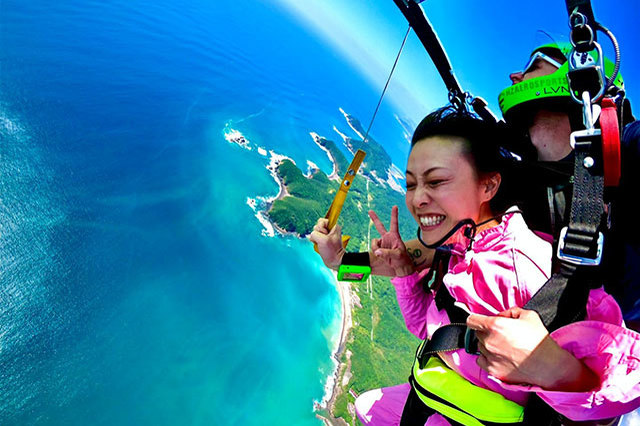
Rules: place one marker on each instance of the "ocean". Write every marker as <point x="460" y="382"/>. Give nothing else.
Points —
<point x="137" y="284"/>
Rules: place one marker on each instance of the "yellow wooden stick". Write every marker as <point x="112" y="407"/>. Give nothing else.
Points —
<point x="338" y="201"/>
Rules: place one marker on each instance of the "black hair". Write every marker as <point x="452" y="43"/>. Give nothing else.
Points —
<point x="485" y="145"/>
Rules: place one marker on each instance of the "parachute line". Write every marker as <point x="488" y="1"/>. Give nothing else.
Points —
<point x="366" y="135"/>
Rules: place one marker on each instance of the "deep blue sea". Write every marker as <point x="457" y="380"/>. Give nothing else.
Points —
<point x="136" y="284"/>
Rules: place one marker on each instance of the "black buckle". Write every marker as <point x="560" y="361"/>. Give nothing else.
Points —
<point x="471" y="342"/>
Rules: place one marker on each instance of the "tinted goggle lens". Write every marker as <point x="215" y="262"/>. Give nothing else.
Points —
<point x="540" y="56"/>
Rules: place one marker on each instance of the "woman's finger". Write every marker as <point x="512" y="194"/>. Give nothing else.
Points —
<point x="393" y="226"/>
<point x="389" y="254"/>
<point x="377" y="223"/>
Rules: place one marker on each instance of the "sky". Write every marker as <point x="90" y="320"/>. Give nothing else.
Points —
<point x="485" y="41"/>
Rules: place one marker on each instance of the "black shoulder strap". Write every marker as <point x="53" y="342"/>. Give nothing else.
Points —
<point x="423" y="29"/>
<point x="560" y="301"/>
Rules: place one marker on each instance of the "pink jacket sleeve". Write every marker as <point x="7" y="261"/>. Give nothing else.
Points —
<point x="414" y="302"/>
<point x="610" y="350"/>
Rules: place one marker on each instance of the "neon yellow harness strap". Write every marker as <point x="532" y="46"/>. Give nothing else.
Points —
<point x="475" y="404"/>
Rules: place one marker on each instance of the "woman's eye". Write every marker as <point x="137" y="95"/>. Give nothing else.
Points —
<point x="436" y="182"/>
<point x="410" y="186"/>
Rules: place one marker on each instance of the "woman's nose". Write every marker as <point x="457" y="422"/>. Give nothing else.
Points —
<point x="421" y="197"/>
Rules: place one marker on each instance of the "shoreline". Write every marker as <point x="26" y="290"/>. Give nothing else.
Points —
<point x="334" y="172"/>
<point x="341" y="373"/>
<point x="335" y="381"/>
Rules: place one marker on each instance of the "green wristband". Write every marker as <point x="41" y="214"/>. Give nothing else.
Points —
<point x="355" y="267"/>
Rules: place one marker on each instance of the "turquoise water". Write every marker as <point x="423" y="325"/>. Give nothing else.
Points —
<point x="136" y="285"/>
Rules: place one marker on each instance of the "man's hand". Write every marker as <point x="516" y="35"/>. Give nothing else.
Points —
<point x="516" y="347"/>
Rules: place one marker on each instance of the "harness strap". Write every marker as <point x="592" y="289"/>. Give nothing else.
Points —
<point x="416" y="412"/>
<point x="558" y="302"/>
<point x="423" y="29"/>
<point x="581" y="6"/>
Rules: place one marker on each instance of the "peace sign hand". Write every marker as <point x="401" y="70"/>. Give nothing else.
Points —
<point x="390" y="247"/>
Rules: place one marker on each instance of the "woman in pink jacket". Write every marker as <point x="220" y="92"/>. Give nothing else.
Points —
<point x="584" y="371"/>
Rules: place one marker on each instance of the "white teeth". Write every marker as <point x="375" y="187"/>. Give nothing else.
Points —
<point x="431" y="220"/>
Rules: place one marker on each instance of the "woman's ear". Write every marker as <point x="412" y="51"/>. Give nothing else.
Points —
<point x="491" y="185"/>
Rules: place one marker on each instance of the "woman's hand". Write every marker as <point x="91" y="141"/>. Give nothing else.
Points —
<point x="329" y="243"/>
<point x="390" y="247"/>
<point x="516" y="347"/>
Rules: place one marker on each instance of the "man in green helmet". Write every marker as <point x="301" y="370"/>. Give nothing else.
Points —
<point x="539" y="107"/>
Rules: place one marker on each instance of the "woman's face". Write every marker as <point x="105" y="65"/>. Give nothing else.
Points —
<point x="443" y="186"/>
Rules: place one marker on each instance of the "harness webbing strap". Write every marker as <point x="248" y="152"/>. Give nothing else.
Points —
<point x="581" y="6"/>
<point x="411" y="419"/>
<point x="423" y="29"/>
<point x="558" y="303"/>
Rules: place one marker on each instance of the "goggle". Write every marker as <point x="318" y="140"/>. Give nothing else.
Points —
<point x="542" y="56"/>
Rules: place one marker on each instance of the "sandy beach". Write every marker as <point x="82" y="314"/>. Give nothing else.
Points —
<point x="337" y="382"/>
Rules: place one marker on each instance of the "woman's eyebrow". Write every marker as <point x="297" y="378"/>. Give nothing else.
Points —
<point x="426" y="173"/>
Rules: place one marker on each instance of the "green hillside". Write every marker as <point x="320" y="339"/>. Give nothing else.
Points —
<point x="381" y="348"/>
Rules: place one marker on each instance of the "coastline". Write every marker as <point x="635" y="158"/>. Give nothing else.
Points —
<point x="318" y="141"/>
<point x="340" y="376"/>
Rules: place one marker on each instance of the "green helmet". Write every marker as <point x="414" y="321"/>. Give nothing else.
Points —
<point x="548" y="91"/>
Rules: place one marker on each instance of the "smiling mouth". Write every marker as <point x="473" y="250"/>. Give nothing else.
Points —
<point x="431" y="220"/>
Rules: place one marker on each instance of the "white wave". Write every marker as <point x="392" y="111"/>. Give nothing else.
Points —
<point x="252" y="202"/>
<point x="269" y="230"/>
<point x="312" y="168"/>
<point x="394" y="176"/>
<point x="347" y="116"/>
<point x="334" y="172"/>
<point x="235" y="136"/>
<point x="378" y="179"/>
<point x="260" y="204"/>
<point x="256" y="205"/>
<point x="342" y="135"/>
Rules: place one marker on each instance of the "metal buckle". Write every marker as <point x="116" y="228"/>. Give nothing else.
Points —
<point x="578" y="260"/>
<point x="585" y="134"/>
<point x="582" y="61"/>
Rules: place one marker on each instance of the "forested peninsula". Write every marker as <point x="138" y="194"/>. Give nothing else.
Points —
<point x="375" y="348"/>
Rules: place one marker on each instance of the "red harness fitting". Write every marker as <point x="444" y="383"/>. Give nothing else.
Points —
<point x="610" y="142"/>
